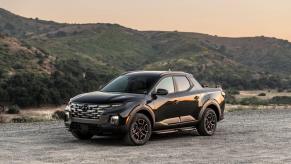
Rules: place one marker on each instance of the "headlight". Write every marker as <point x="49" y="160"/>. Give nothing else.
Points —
<point x="67" y="116"/>
<point x="116" y="105"/>
<point x="106" y="106"/>
<point x="68" y="108"/>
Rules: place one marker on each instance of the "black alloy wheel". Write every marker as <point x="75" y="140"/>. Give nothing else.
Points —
<point x="208" y="123"/>
<point x="139" y="131"/>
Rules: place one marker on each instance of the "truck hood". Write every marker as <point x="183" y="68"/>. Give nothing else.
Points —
<point x="106" y="97"/>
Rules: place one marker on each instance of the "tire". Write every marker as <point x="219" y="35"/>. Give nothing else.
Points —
<point x="208" y="123"/>
<point x="139" y="130"/>
<point x="82" y="135"/>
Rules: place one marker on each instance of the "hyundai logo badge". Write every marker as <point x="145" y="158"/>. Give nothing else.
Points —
<point x="85" y="107"/>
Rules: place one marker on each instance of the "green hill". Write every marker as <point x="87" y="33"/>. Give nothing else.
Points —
<point x="16" y="57"/>
<point x="21" y="27"/>
<point x="66" y="59"/>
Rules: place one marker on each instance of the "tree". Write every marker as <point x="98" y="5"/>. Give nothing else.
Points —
<point x="3" y="95"/>
<point x="9" y="26"/>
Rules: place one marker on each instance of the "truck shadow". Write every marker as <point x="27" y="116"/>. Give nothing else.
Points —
<point x="173" y="135"/>
<point x="103" y="141"/>
<point x="118" y="140"/>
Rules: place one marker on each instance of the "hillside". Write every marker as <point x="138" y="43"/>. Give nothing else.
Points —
<point x="260" y="53"/>
<point x="73" y="58"/>
<point x="16" y="56"/>
<point x="21" y="27"/>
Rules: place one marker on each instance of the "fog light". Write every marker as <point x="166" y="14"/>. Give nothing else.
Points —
<point x="67" y="116"/>
<point x="114" y="120"/>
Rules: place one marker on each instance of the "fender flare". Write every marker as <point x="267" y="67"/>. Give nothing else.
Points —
<point x="207" y="104"/>
<point x="140" y="108"/>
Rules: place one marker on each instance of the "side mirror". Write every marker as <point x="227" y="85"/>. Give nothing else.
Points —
<point x="204" y="85"/>
<point x="160" y="92"/>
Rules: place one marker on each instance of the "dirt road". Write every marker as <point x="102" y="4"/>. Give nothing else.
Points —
<point x="262" y="136"/>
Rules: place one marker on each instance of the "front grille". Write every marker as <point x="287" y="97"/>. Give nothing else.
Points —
<point x="87" y="111"/>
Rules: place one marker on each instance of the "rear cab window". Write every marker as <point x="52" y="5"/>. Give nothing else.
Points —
<point x="182" y="83"/>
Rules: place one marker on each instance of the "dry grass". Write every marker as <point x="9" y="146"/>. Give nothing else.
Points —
<point x="2" y="118"/>
<point x="46" y="113"/>
<point x="269" y="94"/>
<point x="232" y="108"/>
<point x="31" y="115"/>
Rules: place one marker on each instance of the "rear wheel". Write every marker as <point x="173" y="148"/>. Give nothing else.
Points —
<point x="207" y="124"/>
<point x="139" y="130"/>
<point x="82" y="135"/>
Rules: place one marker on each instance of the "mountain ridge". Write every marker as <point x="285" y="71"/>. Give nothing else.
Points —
<point x="76" y="52"/>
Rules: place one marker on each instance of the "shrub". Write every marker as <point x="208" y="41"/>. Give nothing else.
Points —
<point x="252" y="101"/>
<point x="280" y="90"/>
<point x="61" y="34"/>
<point x="281" y="100"/>
<point x="14" y="109"/>
<point x="2" y="119"/>
<point x="233" y="92"/>
<point x="27" y="119"/>
<point x="17" y="66"/>
<point x="22" y="120"/>
<point x="59" y="115"/>
<point x="230" y="99"/>
<point x="262" y="94"/>
<point x="242" y="108"/>
<point x="2" y="109"/>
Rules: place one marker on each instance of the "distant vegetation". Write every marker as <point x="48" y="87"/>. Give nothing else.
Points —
<point x="257" y="100"/>
<point x="44" y="62"/>
<point x="262" y="94"/>
<point x="14" y="109"/>
<point x="32" y="89"/>
<point x="278" y="100"/>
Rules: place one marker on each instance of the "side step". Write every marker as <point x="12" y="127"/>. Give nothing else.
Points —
<point x="184" y="129"/>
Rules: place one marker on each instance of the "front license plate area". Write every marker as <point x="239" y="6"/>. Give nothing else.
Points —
<point x="84" y="127"/>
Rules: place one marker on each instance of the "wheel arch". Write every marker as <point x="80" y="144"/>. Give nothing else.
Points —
<point x="143" y="110"/>
<point x="213" y="104"/>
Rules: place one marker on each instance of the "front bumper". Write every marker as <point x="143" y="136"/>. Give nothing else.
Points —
<point x="101" y="126"/>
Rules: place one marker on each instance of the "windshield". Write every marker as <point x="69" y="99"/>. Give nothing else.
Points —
<point x="139" y="84"/>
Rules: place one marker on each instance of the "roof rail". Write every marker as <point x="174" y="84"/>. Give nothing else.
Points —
<point x="130" y="72"/>
<point x="168" y="72"/>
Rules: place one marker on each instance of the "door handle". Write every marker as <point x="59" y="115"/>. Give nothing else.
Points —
<point x="196" y="98"/>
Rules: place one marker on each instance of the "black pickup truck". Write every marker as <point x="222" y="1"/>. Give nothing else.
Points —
<point x="136" y="104"/>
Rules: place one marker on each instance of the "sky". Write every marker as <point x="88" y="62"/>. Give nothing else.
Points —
<point x="231" y="18"/>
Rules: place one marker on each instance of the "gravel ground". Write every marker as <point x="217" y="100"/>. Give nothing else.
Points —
<point x="261" y="136"/>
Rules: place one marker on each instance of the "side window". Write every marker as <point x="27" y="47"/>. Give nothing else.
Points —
<point x="166" y="83"/>
<point x="182" y="83"/>
<point x="195" y="83"/>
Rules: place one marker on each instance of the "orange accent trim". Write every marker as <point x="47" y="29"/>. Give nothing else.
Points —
<point x="126" y="120"/>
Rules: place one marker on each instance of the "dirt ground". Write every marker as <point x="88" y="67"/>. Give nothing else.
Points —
<point x="248" y="136"/>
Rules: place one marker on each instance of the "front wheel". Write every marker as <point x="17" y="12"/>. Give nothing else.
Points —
<point x="139" y="131"/>
<point x="207" y="124"/>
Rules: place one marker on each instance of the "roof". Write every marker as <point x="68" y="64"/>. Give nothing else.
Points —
<point x="158" y="73"/>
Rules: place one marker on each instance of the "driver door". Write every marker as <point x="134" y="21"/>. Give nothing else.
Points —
<point x="165" y="105"/>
